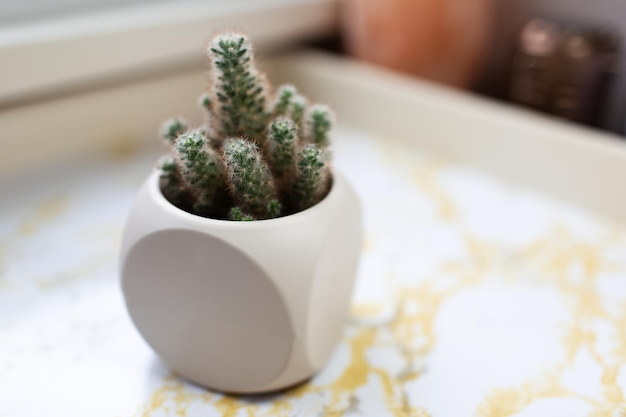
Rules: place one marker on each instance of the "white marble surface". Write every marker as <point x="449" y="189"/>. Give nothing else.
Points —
<point x="474" y="298"/>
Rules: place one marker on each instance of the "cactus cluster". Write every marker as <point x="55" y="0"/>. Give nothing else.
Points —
<point x="259" y="154"/>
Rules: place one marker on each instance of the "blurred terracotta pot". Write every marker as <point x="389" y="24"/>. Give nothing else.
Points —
<point x="442" y="40"/>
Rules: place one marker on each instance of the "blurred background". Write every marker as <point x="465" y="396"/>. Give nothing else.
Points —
<point x="560" y="57"/>
<point x="563" y="58"/>
<point x="430" y="95"/>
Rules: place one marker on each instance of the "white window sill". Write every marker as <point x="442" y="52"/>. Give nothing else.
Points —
<point x="51" y="56"/>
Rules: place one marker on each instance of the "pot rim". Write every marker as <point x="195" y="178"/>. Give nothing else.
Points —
<point x="337" y="183"/>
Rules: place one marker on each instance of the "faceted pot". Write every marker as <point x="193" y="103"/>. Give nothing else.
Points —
<point x="241" y="307"/>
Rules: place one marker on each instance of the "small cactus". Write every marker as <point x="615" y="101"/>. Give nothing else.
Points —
<point x="239" y="87"/>
<point x="248" y="177"/>
<point x="258" y="155"/>
<point x="237" y="215"/>
<point x="201" y="170"/>
<point x="205" y="102"/>
<point x="312" y="176"/>
<point x="281" y="146"/>
<point x="171" y="181"/>
<point x="284" y="100"/>
<point x="318" y="122"/>
<point x="172" y="128"/>
<point x="298" y="107"/>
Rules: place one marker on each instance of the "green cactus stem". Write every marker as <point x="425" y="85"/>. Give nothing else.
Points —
<point x="284" y="99"/>
<point x="205" y="102"/>
<point x="204" y="132"/>
<point x="274" y="208"/>
<point x="298" y="107"/>
<point x="312" y="176"/>
<point x="248" y="177"/>
<point x="201" y="170"/>
<point x="236" y="214"/>
<point x="281" y="146"/>
<point x="171" y="181"/>
<point x="172" y="128"/>
<point x="318" y="124"/>
<point x="239" y="87"/>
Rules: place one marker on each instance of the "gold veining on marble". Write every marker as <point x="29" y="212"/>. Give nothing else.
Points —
<point x="43" y="214"/>
<point x="67" y="277"/>
<point x="40" y="217"/>
<point x="559" y="256"/>
<point x="426" y="179"/>
<point x="366" y="310"/>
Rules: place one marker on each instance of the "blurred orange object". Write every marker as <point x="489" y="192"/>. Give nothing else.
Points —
<point x="442" y="40"/>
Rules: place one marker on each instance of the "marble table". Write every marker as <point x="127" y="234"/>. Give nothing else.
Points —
<point x="474" y="298"/>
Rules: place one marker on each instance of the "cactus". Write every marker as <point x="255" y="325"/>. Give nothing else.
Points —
<point x="281" y="146"/>
<point x="239" y="87"/>
<point x="284" y="99"/>
<point x="318" y="122"/>
<point x="201" y="170"/>
<point x="205" y="101"/>
<point x="237" y="215"/>
<point x="258" y="155"/>
<point x="298" y="107"/>
<point x="248" y="177"/>
<point x="172" y="128"/>
<point x="171" y="181"/>
<point x="312" y="176"/>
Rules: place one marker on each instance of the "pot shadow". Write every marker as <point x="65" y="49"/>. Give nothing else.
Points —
<point x="158" y="371"/>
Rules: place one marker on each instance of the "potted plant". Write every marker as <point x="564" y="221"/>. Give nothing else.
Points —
<point x="239" y="253"/>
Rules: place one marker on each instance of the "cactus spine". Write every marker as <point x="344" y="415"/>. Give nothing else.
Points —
<point x="285" y="96"/>
<point x="257" y="156"/>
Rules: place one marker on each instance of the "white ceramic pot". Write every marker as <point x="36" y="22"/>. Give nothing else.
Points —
<point x="241" y="307"/>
